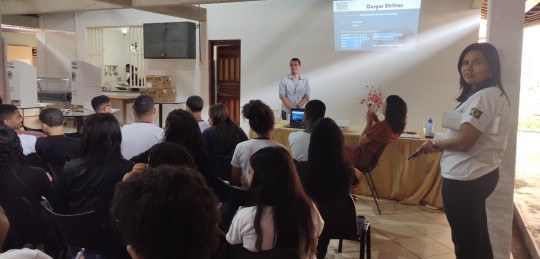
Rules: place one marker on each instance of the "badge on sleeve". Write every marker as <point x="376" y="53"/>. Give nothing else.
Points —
<point x="476" y="113"/>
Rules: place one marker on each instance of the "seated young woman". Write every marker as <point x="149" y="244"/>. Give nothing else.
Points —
<point x="328" y="174"/>
<point x="378" y="133"/>
<point x="281" y="214"/>
<point x="261" y="121"/>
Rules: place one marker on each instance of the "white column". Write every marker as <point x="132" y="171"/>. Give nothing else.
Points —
<point x="505" y="32"/>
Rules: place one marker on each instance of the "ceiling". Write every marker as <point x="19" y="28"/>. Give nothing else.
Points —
<point x="532" y="14"/>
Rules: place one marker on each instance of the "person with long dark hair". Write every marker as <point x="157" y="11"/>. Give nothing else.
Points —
<point x="281" y="214"/>
<point x="472" y="150"/>
<point x="182" y="128"/>
<point x="221" y="139"/>
<point x="87" y="183"/>
<point x="378" y="133"/>
<point x="261" y="122"/>
<point x="20" y="181"/>
<point x="327" y="174"/>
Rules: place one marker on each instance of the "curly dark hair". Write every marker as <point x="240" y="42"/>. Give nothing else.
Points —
<point x="167" y="153"/>
<point x="167" y="212"/>
<point x="328" y="169"/>
<point x="260" y="116"/>
<point x="11" y="151"/>
<point x="182" y="128"/>
<point x="396" y="113"/>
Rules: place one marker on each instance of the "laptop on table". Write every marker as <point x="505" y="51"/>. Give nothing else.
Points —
<point x="296" y="117"/>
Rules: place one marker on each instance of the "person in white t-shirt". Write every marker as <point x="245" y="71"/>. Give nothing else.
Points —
<point x="299" y="141"/>
<point x="288" y="218"/>
<point x="11" y="116"/>
<point x="261" y="121"/>
<point x="194" y="105"/>
<point x="142" y="134"/>
<point x="472" y="152"/>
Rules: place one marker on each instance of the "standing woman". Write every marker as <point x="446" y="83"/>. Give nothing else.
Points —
<point x="472" y="152"/>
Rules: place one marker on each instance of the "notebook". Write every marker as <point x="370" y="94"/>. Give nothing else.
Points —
<point x="296" y="117"/>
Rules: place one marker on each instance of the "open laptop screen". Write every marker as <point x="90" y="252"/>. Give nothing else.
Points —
<point x="296" y="116"/>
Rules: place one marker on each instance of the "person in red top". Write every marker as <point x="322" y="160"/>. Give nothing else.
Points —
<point x="378" y="133"/>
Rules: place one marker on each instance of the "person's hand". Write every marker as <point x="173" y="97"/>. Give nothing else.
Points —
<point x="370" y="116"/>
<point x="49" y="176"/>
<point x="31" y="133"/>
<point x="427" y="147"/>
<point x="136" y="170"/>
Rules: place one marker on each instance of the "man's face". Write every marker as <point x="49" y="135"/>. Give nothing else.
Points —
<point x="15" y="121"/>
<point x="295" y="67"/>
<point x="107" y="108"/>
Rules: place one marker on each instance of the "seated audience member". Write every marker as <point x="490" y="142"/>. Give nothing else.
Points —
<point x="142" y="134"/>
<point x="11" y="116"/>
<point x="87" y="183"/>
<point x="102" y="104"/>
<point x="194" y="104"/>
<point x="261" y="121"/>
<point x="378" y="133"/>
<point x="21" y="181"/>
<point x="181" y="128"/>
<point x="299" y="141"/>
<point x="328" y="174"/>
<point x="55" y="149"/>
<point x="221" y="138"/>
<point x="164" y="153"/>
<point x="24" y="253"/>
<point x="167" y="212"/>
<point x="282" y="215"/>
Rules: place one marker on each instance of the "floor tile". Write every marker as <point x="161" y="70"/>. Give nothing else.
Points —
<point x="396" y="230"/>
<point x="421" y="223"/>
<point x="443" y="256"/>
<point x="423" y="246"/>
<point x="444" y="238"/>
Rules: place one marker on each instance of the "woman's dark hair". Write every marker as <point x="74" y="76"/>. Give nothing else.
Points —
<point x="275" y="183"/>
<point x="260" y="116"/>
<point x="182" y="128"/>
<point x="101" y="139"/>
<point x="11" y="152"/>
<point x="167" y="153"/>
<point x="396" y="113"/>
<point x="167" y="212"/>
<point x="492" y="58"/>
<point x="226" y="130"/>
<point x="328" y="170"/>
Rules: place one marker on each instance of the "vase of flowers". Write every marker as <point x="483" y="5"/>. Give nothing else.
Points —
<point x="374" y="100"/>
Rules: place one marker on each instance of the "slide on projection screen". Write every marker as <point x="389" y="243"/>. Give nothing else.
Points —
<point x="375" y="25"/>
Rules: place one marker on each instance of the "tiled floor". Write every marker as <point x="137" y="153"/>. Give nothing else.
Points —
<point x="403" y="231"/>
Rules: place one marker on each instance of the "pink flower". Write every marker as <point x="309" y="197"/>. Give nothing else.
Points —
<point x="374" y="100"/>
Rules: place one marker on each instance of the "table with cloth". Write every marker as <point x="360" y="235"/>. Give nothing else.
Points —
<point x="416" y="181"/>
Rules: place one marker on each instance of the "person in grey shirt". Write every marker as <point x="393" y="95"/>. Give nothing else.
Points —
<point x="294" y="89"/>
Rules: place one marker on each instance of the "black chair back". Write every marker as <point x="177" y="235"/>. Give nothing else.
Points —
<point x="239" y="252"/>
<point x="230" y="193"/>
<point x="24" y="222"/>
<point x="374" y="160"/>
<point x="339" y="217"/>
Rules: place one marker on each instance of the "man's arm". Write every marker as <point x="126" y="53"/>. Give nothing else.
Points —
<point x="236" y="176"/>
<point x="285" y="101"/>
<point x="303" y="102"/>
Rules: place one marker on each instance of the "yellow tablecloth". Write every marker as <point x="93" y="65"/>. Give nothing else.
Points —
<point x="416" y="181"/>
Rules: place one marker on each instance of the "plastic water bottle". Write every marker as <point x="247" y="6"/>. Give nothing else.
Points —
<point x="429" y="129"/>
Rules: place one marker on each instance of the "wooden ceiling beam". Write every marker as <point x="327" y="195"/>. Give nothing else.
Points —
<point x="144" y="3"/>
<point x="17" y="7"/>
<point x="181" y="11"/>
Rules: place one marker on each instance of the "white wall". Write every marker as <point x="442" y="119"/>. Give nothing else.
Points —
<point x="20" y="39"/>
<point x="63" y="38"/>
<point x="274" y="31"/>
<point x="116" y="49"/>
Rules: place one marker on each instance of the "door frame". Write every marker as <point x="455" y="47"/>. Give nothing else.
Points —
<point x="211" y="77"/>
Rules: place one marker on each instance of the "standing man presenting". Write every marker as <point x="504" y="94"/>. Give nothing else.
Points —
<point x="293" y="89"/>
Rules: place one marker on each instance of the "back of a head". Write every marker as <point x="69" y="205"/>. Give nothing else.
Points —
<point x="219" y="114"/>
<point x="166" y="153"/>
<point x="7" y="111"/>
<point x="99" y="101"/>
<point x="52" y="117"/>
<point x="315" y="110"/>
<point x="167" y="212"/>
<point x="143" y="105"/>
<point x="10" y="147"/>
<point x="182" y="128"/>
<point x="396" y="113"/>
<point x="260" y="116"/>
<point x="195" y="103"/>
<point x="101" y="138"/>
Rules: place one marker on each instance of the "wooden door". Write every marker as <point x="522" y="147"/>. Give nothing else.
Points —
<point x="226" y="89"/>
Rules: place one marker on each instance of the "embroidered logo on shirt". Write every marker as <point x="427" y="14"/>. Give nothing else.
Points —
<point x="476" y="113"/>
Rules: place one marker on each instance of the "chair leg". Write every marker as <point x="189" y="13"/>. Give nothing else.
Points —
<point x="373" y="191"/>
<point x="340" y="245"/>
<point x="373" y="184"/>
<point x="368" y="241"/>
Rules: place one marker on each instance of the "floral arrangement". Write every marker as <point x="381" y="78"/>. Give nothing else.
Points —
<point x="374" y="100"/>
